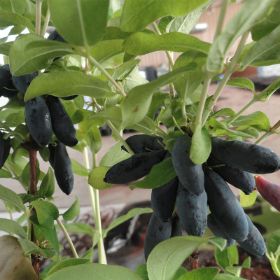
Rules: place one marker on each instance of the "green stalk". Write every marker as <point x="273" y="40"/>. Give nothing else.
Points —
<point x="221" y="18"/>
<point x="38" y="16"/>
<point x="94" y="197"/>
<point x="67" y="236"/>
<point x="94" y="62"/>
<point x="237" y="115"/>
<point x="228" y="73"/>
<point x="46" y="22"/>
<point x="119" y="137"/>
<point x="204" y="95"/>
<point x="170" y="59"/>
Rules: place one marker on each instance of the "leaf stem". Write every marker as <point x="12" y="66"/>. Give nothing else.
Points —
<point x="67" y="236"/>
<point x="38" y="16"/>
<point x="118" y="87"/>
<point x="227" y="75"/>
<point x="119" y="137"/>
<point x="94" y="197"/>
<point x="221" y="18"/>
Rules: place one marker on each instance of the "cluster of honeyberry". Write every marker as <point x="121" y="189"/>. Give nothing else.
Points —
<point x="182" y="203"/>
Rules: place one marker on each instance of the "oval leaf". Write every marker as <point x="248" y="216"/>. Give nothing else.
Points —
<point x="249" y="14"/>
<point x="11" y="198"/>
<point x="100" y="272"/>
<point x="167" y="257"/>
<point x="201" y="146"/>
<point x="12" y="227"/>
<point x="73" y="211"/>
<point x="143" y="43"/>
<point x="66" y="83"/>
<point x="135" y="16"/>
<point x="96" y="178"/>
<point x="31" y="52"/>
<point x="80" y="22"/>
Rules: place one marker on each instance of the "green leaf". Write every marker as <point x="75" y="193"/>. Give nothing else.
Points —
<point x="79" y="169"/>
<point x="114" y="155"/>
<point x="5" y="173"/>
<point x="224" y="276"/>
<point x="66" y="83"/>
<point x="201" y="145"/>
<point x="125" y="69"/>
<point x="66" y="263"/>
<point x="73" y="211"/>
<point x="80" y="228"/>
<point x="31" y="248"/>
<point x="227" y="257"/>
<point x="106" y="49"/>
<point x="249" y="14"/>
<point x="12" y="227"/>
<point x="100" y="272"/>
<point x="31" y="52"/>
<point x="80" y="22"/>
<point x="167" y="257"/>
<point x="264" y="52"/>
<point x="257" y="119"/>
<point x="141" y="270"/>
<point x="143" y="42"/>
<point x="185" y="24"/>
<point x="208" y="273"/>
<point x="156" y="177"/>
<point x="9" y="18"/>
<point x="94" y="139"/>
<point x="136" y="104"/>
<point x="47" y="186"/>
<point x="268" y="23"/>
<point x="46" y="212"/>
<point x="243" y="83"/>
<point x="249" y="199"/>
<point x="247" y="263"/>
<point x="218" y="242"/>
<point x="137" y="14"/>
<point x="268" y="92"/>
<point x="11" y="198"/>
<point x="129" y="215"/>
<point x="96" y="178"/>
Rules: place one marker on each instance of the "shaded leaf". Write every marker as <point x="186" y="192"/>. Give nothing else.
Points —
<point x="73" y="211"/>
<point x="80" y="22"/>
<point x="67" y="83"/>
<point x="143" y="42"/>
<point x="12" y="227"/>
<point x="96" y="178"/>
<point x="31" y="52"/>
<point x="11" y="198"/>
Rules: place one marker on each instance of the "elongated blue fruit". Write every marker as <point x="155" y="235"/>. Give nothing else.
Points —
<point x="7" y="87"/>
<point x="225" y="207"/>
<point x="61" y="164"/>
<point x="190" y="175"/>
<point x="38" y="120"/>
<point x="144" y="143"/>
<point x="157" y="232"/>
<point x="245" y="156"/>
<point x="242" y="180"/>
<point x="254" y="243"/>
<point x="22" y="82"/>
<point x="133" y="168"/>
<point x="5" y="147"/>
<point x="62" y="125"/>
<point x="217" y="229"/>
<point x="192" y="211"/>
<point x="163" y="199"/>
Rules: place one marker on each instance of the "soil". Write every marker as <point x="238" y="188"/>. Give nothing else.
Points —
<point x="260" y="267"/>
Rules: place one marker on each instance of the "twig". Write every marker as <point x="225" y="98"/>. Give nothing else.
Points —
<point x="67" y="236"/>
<point x="94" y="198"/>
<point x="221" y="18"/>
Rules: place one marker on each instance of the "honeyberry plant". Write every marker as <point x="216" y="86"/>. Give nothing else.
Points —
<point x="63" y="87"/>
